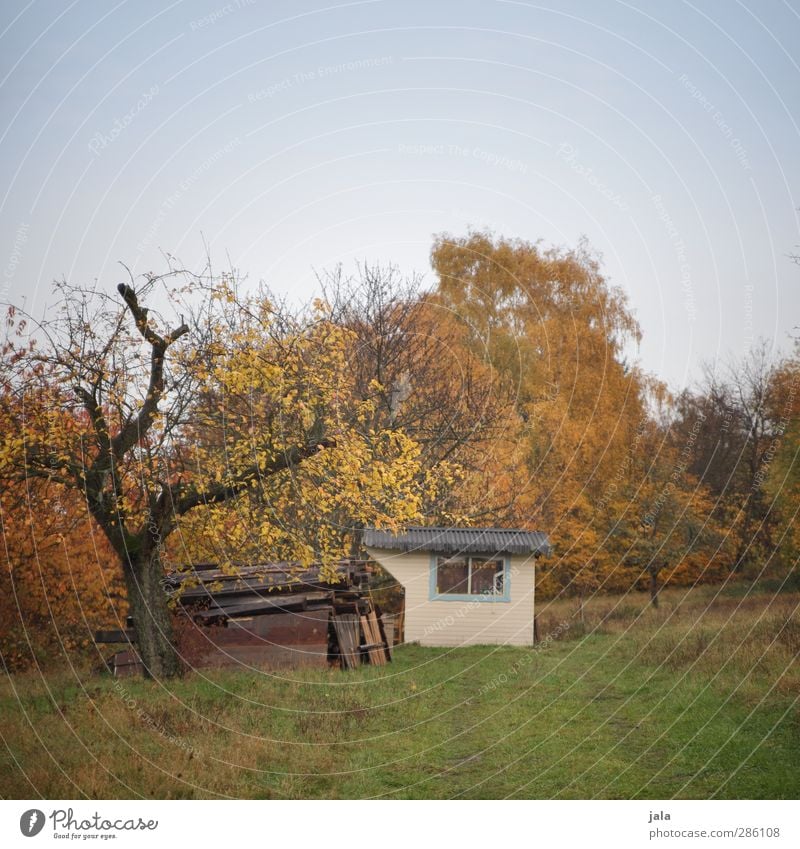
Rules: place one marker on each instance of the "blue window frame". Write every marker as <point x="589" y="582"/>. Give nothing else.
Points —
<point x="470" y="577"/>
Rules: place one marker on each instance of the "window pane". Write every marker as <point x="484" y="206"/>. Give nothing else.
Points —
<point x="451" y="576"/>
<point x="487" y="577"/>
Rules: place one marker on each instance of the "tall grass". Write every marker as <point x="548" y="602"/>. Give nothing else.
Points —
<point x="734" y="632"/>
<point x="696" y="698"/>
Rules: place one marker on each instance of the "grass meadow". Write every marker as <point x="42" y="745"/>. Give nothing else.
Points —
<point x="697" y="699"/>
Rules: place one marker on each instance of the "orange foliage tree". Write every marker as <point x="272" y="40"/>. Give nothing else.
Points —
<point x="59" y="579"/>
<point x="578" y="466"/>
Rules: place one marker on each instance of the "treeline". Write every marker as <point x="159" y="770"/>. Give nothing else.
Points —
<point x="179" y="420"/>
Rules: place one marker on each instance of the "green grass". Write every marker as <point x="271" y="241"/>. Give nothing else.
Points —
<point x="696" y="700"/>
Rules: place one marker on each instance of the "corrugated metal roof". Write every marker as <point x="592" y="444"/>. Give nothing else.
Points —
<point x="460" y="540"/>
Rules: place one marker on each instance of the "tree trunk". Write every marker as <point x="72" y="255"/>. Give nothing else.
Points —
<point x="151" y="617"/>
<point x="745" y="537"/>
<point x="654" y="588"/>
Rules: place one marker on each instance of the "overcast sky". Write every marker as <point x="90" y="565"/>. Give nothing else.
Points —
<point x="292" y="136"/>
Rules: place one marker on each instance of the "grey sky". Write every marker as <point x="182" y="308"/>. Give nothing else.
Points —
<point x="294" y="136"/>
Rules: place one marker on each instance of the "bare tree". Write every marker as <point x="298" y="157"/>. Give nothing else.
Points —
<point x="410" y="354"/>
<point x="732" y="418"/>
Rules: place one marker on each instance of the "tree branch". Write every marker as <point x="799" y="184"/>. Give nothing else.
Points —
<point x="221" y="492"/>
<point x="92" y="407"/>
<point x="135" y="428"/>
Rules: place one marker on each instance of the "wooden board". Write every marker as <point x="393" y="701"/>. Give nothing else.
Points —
<point x="346" y="626"/>
<point x="256" y="605"/>
<point x="387" y="632"/>
<point x="373" y="639"/>
<point x="377" y="630"/>
<point x="280" y="576"/>
<point x="251" y="586"/>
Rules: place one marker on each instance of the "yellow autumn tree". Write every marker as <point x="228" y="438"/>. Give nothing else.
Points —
<point x="176" y="396"/>
<point x="550" y="322"/>
<point x="272" y="385"/>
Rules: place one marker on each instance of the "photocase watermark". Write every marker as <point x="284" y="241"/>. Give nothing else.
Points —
<point x="218" y="14"/>
<point x="130" y="702"/>
<point x="719" y="119"/>
<point x="464" y="608"/>
<point x="31" y="822"/>
<point x="67" y="825"/>
<point x="522" y="662"/>
<point x="570" y="155"/>
<point x="491" y="158"/>
<point x="496" y="160"/>
<point x="20" y="238"/>
<point x="680" y="252"/>
<point x="100" y="141"/>
<point x="624" y="467"/>
<point x="184" y="186"/>
<point x="318" y="73"/>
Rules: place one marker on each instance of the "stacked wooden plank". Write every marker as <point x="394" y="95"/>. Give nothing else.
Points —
<point x="348" y="638"/>
<point x="275" y="614"/>
<point x="251" y="584"/>
<point x="375" y="643"/>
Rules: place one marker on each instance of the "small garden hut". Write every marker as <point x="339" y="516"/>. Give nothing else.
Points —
<point x="463" y="586"/>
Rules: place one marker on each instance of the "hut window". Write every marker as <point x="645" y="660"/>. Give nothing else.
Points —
<point x="453" y="576"/>
<point x="470" y="576"/>
<point x="487" y="577"/>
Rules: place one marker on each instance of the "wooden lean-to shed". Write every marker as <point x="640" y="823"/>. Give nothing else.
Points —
<point x="463" y="586"/>
<point x="268" y="615"/>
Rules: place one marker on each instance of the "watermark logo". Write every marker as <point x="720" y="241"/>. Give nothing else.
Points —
<point x="31" y="822"/>
<point x="184" y="186"/>
<point x="571" y="156"/>
<point x="319" y="73"/>
<point x="724" y="127"/>
<point x="16" y="252"/>
<point x="100" y="141"/>
<point x="496" y="160"/>
<point x="680" y="252"/>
